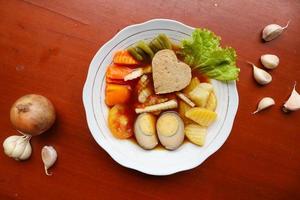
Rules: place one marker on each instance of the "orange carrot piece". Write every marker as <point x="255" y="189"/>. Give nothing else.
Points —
<point x="117" y="94"/>
<point x="123" y="57"/>
<point x="117" y="72"/>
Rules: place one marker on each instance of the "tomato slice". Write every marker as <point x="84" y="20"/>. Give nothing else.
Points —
<point x="120" y="121"/>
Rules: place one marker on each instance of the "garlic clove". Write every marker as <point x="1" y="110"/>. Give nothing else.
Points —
<point x="272" y="31"/>
<point x="264" y="103"/>
<point x="269" y="61"/>
<point x="293" y="103"/>
<point x="26" y="153"/>
<point x="261" y="76"/>
<point x="49" y="156"/>
<point x="20" y="147"/>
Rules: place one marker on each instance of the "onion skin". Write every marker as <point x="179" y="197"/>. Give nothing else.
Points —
<point x="32" y="114"/>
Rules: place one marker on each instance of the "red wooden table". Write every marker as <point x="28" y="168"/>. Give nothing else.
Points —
<point x="46" y="48"/>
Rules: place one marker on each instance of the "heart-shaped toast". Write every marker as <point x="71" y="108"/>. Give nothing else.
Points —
<point x="169" y="74"/>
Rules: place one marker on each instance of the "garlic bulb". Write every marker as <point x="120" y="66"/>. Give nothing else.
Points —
<point x="272" y="31"/>
<point x="17" y="147"/>
<point x="264" y="103"/>
<point x="293" y="103"/>
<point x="261" y="76"/>
<point x="49" y="157"/>
<point x="269" y="61"/>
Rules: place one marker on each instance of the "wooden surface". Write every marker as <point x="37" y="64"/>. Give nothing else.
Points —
<point x="46" y="47"/>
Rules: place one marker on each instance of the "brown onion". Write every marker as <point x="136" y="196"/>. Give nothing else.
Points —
<point x="32" y="114"/>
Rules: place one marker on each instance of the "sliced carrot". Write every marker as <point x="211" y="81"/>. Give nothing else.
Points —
<point x="123" y="57"/>
<point x="117" y="94"/>
<point x="117" y="72"/>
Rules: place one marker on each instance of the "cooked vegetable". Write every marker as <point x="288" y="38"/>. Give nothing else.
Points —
<point x="147" y="69"/>
<point x="183" y="108"/>
<point x="117" y="72"/>
<point x="124" y="58"/>
<point x="158" y="107"/>
<point x="185" y="99"/>
<point x="195" y="133"/>
<point x="153" y="47"/>
<point x="134" y="53"/>
<point x="156" y="45"/>
<point x="194" y="83"/>
<point x="49" y="156"/>
<point x="203" y="52"/>
<point x="170" y="130"/>
<point x="141" y="52"/>
<point x="165" y="40"/>
<point x="142" y="83"/>
<point x="142" y="45"/>
<point x="18" y="147"/>
<point x="32" y="114"/>
<point x="160" y="42"/>
<point x="199" y="96"/>
<point x="202" y="116"/>
<point x="117" y="94"/>
<point x="145" y="131"/>
<point x="120" y="121"/>
<point x="207" y="86"/>
<point x="144" y="89"/>
<point x="211" y="103"/>
<point x="144" y="94"/>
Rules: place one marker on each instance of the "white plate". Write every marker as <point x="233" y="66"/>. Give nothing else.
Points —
<point x="128" y="154"/>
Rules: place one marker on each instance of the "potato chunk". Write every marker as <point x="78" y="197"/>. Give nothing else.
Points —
<point x="193" y="84"/>
<point x="211" y="102"/>
<point x="195" y="133"/>
<point x="202" y="116"/>
<point x="199" y="96"/>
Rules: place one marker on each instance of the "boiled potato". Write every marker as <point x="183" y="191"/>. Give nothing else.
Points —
<point x="207" y="86"/>
<point x="195" y="133"/>
<point x="193" y="84"/>
<point x="183" y="108"/>
<point x="202" y="116"/>
<point x="199" y="96"/>
<point x="211" y="102"/>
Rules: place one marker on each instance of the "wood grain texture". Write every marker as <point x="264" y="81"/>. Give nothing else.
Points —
<point x="46" y="47"/>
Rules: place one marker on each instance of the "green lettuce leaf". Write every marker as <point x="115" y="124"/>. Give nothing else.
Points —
<point x="203" y="52"/>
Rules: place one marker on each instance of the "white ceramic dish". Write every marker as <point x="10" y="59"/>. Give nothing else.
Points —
<point x="128" y="154"/>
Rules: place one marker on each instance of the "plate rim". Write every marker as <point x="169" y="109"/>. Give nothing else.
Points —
<point x="87" y="99"/>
